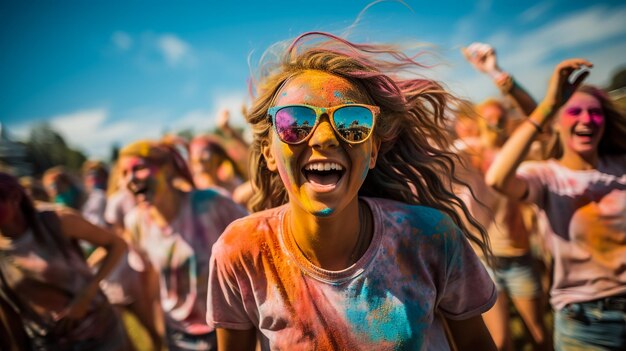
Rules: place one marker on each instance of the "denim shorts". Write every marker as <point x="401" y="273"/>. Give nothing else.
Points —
<point x="517" y="276"/>
<point x="594" y="326"/>
<point x="181" y="341"/>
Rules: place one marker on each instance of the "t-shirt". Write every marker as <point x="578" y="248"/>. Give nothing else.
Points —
<point x="94" y="206"/>
<point x="181" y="252"/>
<point x="417" y="267"/>
<point x="586" y="214"/>
<point x="117" y="206"/>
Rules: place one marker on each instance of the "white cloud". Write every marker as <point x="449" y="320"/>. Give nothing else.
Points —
<point x="201" y="120"/>
<point x="173" y="49"/>
<point x="534" y="12"/>
<point x="122" y="40"/>
<point x="93" y="132"/>
<point x="577" y="30"/>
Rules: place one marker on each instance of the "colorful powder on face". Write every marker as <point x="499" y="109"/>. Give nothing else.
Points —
<point x="325" y="212"/>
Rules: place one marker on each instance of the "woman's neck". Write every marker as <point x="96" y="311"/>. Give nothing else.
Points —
<point x="332" y="243"/>
<point x="579" y="162"/>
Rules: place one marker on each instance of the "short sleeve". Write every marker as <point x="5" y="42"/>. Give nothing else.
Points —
<point x="225" y="307"/>
<point x="468" y="290"/>
<point x="533" y="174"/>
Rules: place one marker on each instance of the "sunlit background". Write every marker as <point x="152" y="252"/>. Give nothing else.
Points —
<point x="102" y="73"/>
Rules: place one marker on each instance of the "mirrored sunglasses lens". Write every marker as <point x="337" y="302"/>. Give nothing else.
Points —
<point x="354" y="123"/>
<point x="294" y="123"/>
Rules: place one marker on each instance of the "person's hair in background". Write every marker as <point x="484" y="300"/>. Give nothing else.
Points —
<point x="34" y="188"/>
<point x="10" y="187"/>
<point x="62" y="187"/>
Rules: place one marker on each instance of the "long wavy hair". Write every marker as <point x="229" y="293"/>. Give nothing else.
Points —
<point x="613" y="142"/>
<point x="414" y="164"/>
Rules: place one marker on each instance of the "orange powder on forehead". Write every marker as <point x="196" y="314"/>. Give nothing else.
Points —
<point x="326" y="86"/>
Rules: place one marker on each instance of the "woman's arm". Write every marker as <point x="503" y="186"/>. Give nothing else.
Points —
<point x="483" y="58"/>
<point x="501" y="175"/>
<point x="231" y="339"/>
<point x="470" y="334"/>
<point x="76" y="227"/>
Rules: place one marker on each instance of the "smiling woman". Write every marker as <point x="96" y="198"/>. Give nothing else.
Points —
<point x="358" y="245"/>
<point x="582" y="190"/>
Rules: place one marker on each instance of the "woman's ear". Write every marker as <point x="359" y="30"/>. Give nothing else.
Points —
<point x="266" y="149"/>
<point x="374" y="152"/>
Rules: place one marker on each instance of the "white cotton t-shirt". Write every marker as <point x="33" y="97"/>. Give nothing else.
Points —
<point x="586" y="214"/>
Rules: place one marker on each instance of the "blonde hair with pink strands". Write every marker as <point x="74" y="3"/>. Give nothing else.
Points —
<point x="414" y="165"/>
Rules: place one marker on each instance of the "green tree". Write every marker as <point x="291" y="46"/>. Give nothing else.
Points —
<point x="46" y="148"/>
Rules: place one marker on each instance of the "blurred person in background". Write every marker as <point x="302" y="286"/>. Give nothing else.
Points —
<point x="513" y="270"/>
<point x="582" y="190"/>
<point x="132" y="286"/>
<point x="63" y="188"/>
<point x="211" y="165"/>
<point x="508" y="222"/>
<point x="95" y="178"/>
<point x="45" y="281"/>
<point x="175" y="230"/>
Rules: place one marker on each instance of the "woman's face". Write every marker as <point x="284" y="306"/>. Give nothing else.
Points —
<point x="581" y="124"/>
<point x="140" y="177"/>
<point x="302" y="167"/>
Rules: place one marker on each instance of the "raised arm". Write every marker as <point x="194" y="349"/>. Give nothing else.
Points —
<point x="76" y="227"/>
<point x="501" y="175"/>
<point x="484" y="59"/>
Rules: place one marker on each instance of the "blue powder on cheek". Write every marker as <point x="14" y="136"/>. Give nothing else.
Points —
<point x="325" y="212"/>
<point x="338" y="94"/>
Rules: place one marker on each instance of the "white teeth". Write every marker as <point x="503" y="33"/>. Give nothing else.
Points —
<point x="323" y="166"/>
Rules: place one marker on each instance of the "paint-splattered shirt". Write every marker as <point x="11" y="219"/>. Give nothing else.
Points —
<point x="181" y="252"/>
<point x="417" y="264"/>
<point x="586" y="213"/>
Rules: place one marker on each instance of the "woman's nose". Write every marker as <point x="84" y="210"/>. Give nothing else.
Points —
<point x="585" y="117"/>
<point x="324" y="135"/>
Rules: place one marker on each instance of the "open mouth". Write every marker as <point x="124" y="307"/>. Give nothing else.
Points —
<point x="585" y="133"/>
<point x="138" y="189"/>
<point x="326" y="174"/>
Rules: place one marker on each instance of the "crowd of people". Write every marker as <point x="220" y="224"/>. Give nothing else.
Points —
<point x="372" y="209"/>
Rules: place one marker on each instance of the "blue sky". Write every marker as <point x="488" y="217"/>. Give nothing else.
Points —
<point x="104" y="72"/>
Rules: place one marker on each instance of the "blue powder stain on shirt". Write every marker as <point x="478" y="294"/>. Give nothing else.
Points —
<point x="380" y="316"/>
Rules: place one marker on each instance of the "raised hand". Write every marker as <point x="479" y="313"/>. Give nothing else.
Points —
<point x="482" y="57"/>
<point x="564" y="81"/>
<point x="223" y="120"/>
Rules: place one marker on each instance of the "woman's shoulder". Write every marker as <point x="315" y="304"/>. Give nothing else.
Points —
<point x="250" y="231"/>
